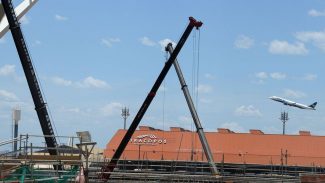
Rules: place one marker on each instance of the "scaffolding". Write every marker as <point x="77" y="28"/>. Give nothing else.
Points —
<point x="31" y="162"/>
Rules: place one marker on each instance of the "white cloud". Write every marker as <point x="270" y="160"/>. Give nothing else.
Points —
<point x="249" y="111"/>
<point x="285" y="48"/>
<point x="316" y="38"/>
<point x="294" y="94"/>
<point x="60" y="17"/>
<point x="7" y="70"/>
<point x="71" y="110"/>
<point x="10" y="71"/>
<point x="233" y="127"/>
<point x="88" y="82"/>
<point x="163" y="43"/>
<point x="261" y="75"/>
<point x="244" y="42"/>
<point x="315" y="13"/>
<point x="278" y="75"/>
<point x="209" y="76"/>
<point x="147" y="42"/>
<point x="202" y="88"/>
<point x="91" y="82"/>
<point x="24" y="20"/>
<point x="114" y="40"/>
<point x="6" y="95"/>
<point x="61" y="81"/>
<point x="310" y="77"/>
<point x="109" y="42"/>
<point x="111" y="109"/>
<point x="75" y="110"/>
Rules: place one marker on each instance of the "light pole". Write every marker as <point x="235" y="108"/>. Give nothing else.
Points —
<point x="16" y="116"/>
<point x="86" y="146"/>
<point x="125" y="114"/>
<point x="284" y="118"/>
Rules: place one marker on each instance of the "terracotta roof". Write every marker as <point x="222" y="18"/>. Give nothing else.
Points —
<point x="254" y="147"/>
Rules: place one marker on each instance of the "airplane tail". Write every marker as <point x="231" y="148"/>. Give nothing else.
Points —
<point x="313" y="105"/>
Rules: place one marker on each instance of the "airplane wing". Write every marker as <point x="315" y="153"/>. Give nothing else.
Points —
<point x="20" y="11"/>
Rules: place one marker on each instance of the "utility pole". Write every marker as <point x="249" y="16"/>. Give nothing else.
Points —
<point x="284" y="118"/>
<point x="125" y="114"/>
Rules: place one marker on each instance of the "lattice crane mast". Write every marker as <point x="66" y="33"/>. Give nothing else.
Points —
<point x="34" y="87"/>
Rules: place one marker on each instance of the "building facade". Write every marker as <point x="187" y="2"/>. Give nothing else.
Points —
<point x="255" y="147"/>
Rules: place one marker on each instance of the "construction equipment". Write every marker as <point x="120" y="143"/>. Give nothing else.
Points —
<point x="40" y="105"/>
<point x="20" y="11"/>
<point x="112" y="164"/>
<point x="195" y="116"/>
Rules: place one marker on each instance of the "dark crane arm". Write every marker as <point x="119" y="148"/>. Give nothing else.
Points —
<point x="40" y="105"/>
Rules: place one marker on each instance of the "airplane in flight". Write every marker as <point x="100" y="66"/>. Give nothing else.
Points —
<point x="20" y="11"/>
<point x="293" y="104"/>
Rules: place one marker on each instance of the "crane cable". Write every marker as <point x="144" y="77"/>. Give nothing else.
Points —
<point x="198" y="71"/>
<point x="193" y="65"/>
<point x="163" y="111"/>
<point x="195" y="80"/>
<point x="193" y="90"/>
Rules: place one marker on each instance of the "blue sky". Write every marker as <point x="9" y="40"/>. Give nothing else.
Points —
<point x="92" y="59"/>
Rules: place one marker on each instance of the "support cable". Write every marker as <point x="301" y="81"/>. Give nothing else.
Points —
<point x="163" y="115"/>
<point x="193" y="88"/>
<point x="194" y="114"/>
<point x="193" y="65"/>
<point x="198" y="71"/>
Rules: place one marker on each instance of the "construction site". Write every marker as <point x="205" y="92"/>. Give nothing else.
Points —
<point x="142" y="153"/>
<point x="155" y="155"/>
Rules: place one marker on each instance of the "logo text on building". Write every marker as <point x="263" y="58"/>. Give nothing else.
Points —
<point x="150" y="139"/>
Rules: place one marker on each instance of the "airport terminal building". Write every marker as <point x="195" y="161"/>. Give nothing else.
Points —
<point x="255" y="147"/>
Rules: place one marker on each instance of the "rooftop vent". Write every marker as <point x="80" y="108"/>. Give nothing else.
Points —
<point x="177" y="129"/>
<point x="146" y="128"/>
<point x="256" y="132"/>
<point x="304" y="133"/>
<point x="224" y="130"/>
